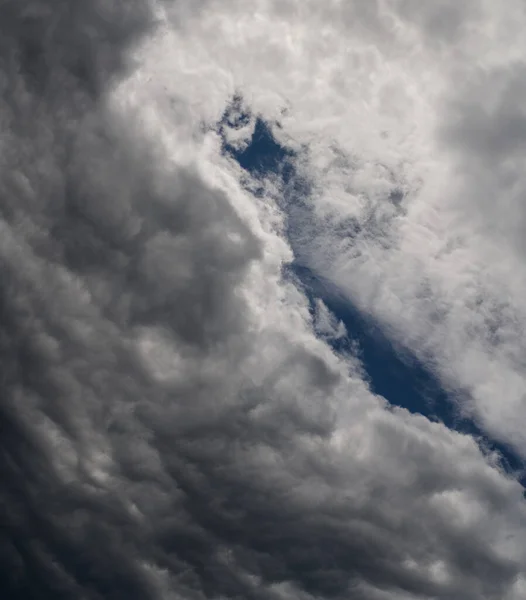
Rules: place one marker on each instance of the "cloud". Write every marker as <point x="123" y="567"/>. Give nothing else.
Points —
<point x="172" y="424"/>
<point x="401" y="101"/>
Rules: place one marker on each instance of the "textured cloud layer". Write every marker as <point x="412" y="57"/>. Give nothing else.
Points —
<point x="419" y="103"/>
<point x="173" y="422"/>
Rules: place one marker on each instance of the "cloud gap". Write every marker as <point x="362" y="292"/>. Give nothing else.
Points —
<point x="391" y="370"/>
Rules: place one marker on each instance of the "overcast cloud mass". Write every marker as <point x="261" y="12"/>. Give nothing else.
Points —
<point x="175" y="420"/>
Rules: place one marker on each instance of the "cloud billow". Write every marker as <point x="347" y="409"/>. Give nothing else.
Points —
<point x="171" y="424"/>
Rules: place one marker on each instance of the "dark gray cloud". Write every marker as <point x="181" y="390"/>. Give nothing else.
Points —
<point x="156" y="441"/>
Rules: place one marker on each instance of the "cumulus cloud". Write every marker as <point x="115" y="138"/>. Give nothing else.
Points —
<point x="174" y="424"/>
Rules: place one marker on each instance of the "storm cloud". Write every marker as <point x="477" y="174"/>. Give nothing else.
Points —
<point x="173" y="422"/>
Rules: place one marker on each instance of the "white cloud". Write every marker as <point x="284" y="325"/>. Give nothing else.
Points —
<point x="424" y="99"/>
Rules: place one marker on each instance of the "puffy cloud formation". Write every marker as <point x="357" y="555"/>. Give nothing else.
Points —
<point x="173" y="421"/>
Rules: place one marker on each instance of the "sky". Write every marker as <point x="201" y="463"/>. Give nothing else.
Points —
<point x="392" y="370"/>
<point x="261" y="314"/>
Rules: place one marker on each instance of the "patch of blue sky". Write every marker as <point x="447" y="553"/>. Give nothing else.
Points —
<point x="390" y="369"/>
